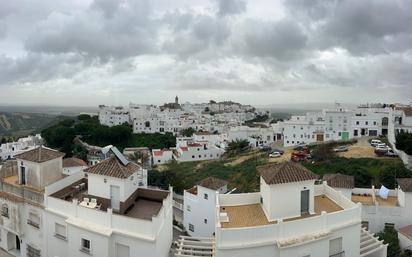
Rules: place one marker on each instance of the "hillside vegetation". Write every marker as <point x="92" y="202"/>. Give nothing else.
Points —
<point x="23" y="124"/>
<point x="61" y="135"/>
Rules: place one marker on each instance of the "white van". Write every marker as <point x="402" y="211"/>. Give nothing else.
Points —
<point x="375" y="142"/>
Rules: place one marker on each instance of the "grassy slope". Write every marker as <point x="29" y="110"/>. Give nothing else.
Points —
<point x="244" y="175"/>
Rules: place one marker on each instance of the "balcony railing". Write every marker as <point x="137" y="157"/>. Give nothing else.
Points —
<point x="341" y="254"/>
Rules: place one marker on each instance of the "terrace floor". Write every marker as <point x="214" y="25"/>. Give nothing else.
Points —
<point x="368" y="200"/>
<point x="251" y="215"/>
<point x="144" y="209"/>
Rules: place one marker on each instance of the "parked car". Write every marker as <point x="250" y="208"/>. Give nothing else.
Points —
<point x="375" y="142"/>
<point x="279" y="151"/>
<point x="275" y="155"/>
<point x="342" y="148"/>
<point x="381" y="145"/>
<point x="266" y="149"/>
<point x="391" y="153"/>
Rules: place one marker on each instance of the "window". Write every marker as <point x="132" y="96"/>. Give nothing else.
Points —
<point x="5" y="210"/>
<point x="86" y="246"/>
<point x="34" y="220"/>
<point x="389" y="226"/>
<point x="188" y="208"/>
<point x="206" y="196"/>
<point x="205" y="221"/>
<point x="366" y="123"/>
<point x="335" y="247"/>
<point x="60" y="231"/>
<point x="122" y="250"/>
<point x="339" y="133"/>
<point x="374" y="123"/>
<point x="32" y="252"/>
<point x="365" y="225"/>
<point x="191" y="227"/>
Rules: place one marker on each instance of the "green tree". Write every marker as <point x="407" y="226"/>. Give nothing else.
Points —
<point x="80" y="152"/>
<point x="389" y="174"/>
<point x="390" y="236"/>
<point x="237" y="146"/>
<point x="404" y="142"/>
<point x="188" y="132"/>
<point x="84" y="117"/>
<point x="139" y="156"/>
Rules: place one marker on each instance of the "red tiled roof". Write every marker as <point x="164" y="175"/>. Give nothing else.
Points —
<point x="114" y="168"/>
<point x="40" y="154"/>
<point x="73" y="162"/>
<point x="339" y="180"/>
<point x="213" y="183"/>
<point x="406" y="231"/>
<point x="158" y="153"/>
<point x="184" y="148"/>
<point x="194" y="145"/>
<point x="285" y="172"/>
<point x="202" y="133"/>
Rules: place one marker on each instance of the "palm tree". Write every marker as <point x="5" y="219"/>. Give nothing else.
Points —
<point x="139" y="157"/>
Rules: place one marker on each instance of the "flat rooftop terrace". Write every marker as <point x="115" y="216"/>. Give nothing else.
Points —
<point x="251" y="215"/>
<point x="368" y="200"/>
<point x="143" y="204"/>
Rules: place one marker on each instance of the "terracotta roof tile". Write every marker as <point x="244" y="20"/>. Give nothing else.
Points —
<point x="114" y="168"/>
<point x="73" y="162"/>
<point x="40" y="154"/>
<point x="406" y="231"/>
<point x="405" y="184"/>
<point x="406" y="110"/>
<point x="285" y="172"/>
<point x="213" y="183"/>
<point x="339" y="180"/>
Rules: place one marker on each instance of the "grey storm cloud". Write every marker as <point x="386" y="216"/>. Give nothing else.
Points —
<point x="208" y="46"/>
<point x="229" y="7"/>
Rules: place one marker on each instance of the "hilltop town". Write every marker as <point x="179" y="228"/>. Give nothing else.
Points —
<point x="210" y="179"/>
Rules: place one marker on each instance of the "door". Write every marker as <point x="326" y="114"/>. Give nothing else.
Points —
<point x="23" y="175"/>
<point x="355" y="133"/>
<point x="345" y="135"/>
<point x="115" y="197"/>
<point x="17" y="243"/>
<point x="304" y="202"/>
<point x="363" y="132"/>
<point x="319" y="137"/>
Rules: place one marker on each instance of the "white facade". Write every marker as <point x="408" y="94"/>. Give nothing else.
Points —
<point x="199" y="217"/>
<point x="9" y="150"/>
<point x="400" y="121"/>
<point x="162" y="156"/>
<point x="336" y="124"/>
<point x="255" y="136"/>
<point x="197" y="152"/>
<point x="108" y="234"/>
<point x="113" y="115"/>
<point x="22" y="219"/>
<point x="330" y="233"/>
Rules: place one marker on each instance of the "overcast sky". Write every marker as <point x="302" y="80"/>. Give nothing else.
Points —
<point x="261" y="52"/>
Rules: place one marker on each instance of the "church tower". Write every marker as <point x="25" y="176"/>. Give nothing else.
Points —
<point x="176" y="100"/>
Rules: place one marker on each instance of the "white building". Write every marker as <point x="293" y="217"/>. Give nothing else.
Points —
<point x="291" y="217"/>
<point x="162" y="156"/>
<point x="113" y="115"/>
<point x="9" y="150"/>
<point x="197" y="152"/>
<point x="108" y="213"/>
<point x="336" y="124"/>
<point x="400" y="119"/>
<point x="22" y="229"/>
<point x="257" y="136"/>
<point x="73" y="165"/>
<point x="199" y="217"/>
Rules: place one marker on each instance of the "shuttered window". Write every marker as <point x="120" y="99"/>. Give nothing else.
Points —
<point x="60" y="231"/>
<point x="122" y="250"/>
